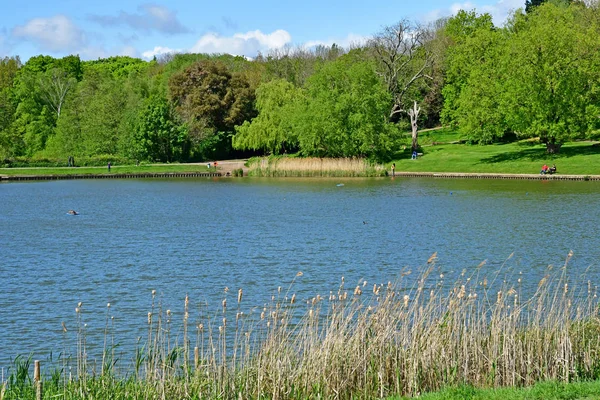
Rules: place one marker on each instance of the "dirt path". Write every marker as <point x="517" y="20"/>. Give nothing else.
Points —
<point x="227" y="166"/>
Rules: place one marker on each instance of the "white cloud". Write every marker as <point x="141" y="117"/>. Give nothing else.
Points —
<point x="348" y="41"/>
<point x="243" y="44"/>
<point x="499" y="10"/>
<point x="129" y="51"/>
<point x="157" y="51"/>
<point x="53" y="34"/>
<point x="249" y="44"/>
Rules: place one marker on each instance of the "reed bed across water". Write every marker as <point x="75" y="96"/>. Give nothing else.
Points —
<point x="309" y="167"/>
<point x="369" y="340"/>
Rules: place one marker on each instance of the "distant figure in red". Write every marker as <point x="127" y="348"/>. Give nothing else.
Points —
<point x="544" y="170"/>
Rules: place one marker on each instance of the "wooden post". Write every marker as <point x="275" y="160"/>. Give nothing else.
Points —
<point x="196" y="358"/>
<point x="37" y="379"/>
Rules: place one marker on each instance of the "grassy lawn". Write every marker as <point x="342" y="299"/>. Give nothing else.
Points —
<point x="541" y="391"/>
<point x="437" y="135"/>
<point x="125" y="169"/>
<point x="524" y="157"/>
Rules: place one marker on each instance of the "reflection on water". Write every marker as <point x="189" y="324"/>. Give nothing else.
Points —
<point x="199" y="236"/>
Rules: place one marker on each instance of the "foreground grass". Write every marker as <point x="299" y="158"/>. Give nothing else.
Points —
<point x="119" y="169"/>
<point x="540" y="391"/>
<point x="525" y="157"/>
<point x="368" y="340"/>
<point x="126" y="389"/>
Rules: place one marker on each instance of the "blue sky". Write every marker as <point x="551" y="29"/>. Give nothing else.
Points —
<point x="96" y="29"/>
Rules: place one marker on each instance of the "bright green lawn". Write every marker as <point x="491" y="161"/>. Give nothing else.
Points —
<point x="437" y="135"/>
<point x="541" y="391"/>
<point x="125" y="169"/>
<point x="525" y="157"/>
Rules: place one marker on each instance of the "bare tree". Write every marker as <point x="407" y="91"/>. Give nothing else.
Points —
<point x="413" y="113"/>
<point x="403" y="59"/>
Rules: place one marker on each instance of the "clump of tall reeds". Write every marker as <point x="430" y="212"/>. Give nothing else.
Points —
<point x="312" y="167"/>
<point x="366" y="340"/>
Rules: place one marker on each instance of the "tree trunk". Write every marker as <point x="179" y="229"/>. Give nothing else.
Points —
<point x="414" y="115"/>
<point x="553" y="148"/>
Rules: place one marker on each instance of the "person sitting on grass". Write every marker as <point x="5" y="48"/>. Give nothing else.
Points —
<point x="552" y="169"/>
<point x="544" y="170"/>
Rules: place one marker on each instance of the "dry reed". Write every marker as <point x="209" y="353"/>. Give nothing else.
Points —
<point x="308" y="167"/>
<point x="363" y="343"/>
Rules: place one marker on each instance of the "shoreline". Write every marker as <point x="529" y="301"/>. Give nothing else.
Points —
<point x="451" y="175"/>
<point x="52" y="177"/>
<point x="483" y="175"/>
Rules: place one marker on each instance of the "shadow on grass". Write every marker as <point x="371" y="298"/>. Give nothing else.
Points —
<point x="539" y="154"/>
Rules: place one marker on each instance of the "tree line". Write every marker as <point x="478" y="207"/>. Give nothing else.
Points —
<point x="538" y="76"/>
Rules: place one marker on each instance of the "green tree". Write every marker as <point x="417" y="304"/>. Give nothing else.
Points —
<point x="8" y="71"/>
<point x="211" y="101"/>
<point x="54" y="85"/>
<point x="554" y="76"/>
<point x="92" y="121"/>
<point x="475" y="100"/>
<point x="344" y="112"/>
<point x="159" y="137"/>
<point x="469" y="39"/>
<point x="272" y="130"/>
<point x="530" y="5"/>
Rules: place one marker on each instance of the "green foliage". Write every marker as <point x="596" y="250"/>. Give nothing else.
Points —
<point x="272" y="130"/>
<point x="344" y="112"/>
<point x="118" y="66"/>
<point x="238" y="172"/>
<point x="158" y="136"/>
<point x="298" y="65"/>
<point x="470" y="36"/>
<point x="537" y="77"/>
<point x="8" y="71"/>
<point x="553" y="76"/>
<point x="211" y="101"/>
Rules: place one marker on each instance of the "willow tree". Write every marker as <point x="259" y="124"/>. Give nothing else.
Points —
<point x="272" y="130"/>
<point x="342" y="112"/>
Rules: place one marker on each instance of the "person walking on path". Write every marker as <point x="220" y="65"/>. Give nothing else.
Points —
<point x="109" y="166"/>
<point x="393" y="169"/>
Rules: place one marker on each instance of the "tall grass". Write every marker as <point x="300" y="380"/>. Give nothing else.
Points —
<point x="369" y="340"/>
<point x="311" y="167"/>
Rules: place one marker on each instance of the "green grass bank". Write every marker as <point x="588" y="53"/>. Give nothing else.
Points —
<point x="540" y="391"/>
<point x="116" y="169"/>
<point x="445" y="151"/>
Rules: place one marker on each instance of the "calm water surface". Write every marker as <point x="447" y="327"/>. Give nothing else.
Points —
<point x="200" y="236"/>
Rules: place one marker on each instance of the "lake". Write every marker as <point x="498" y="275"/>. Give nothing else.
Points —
<point x="199" y="236"/>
